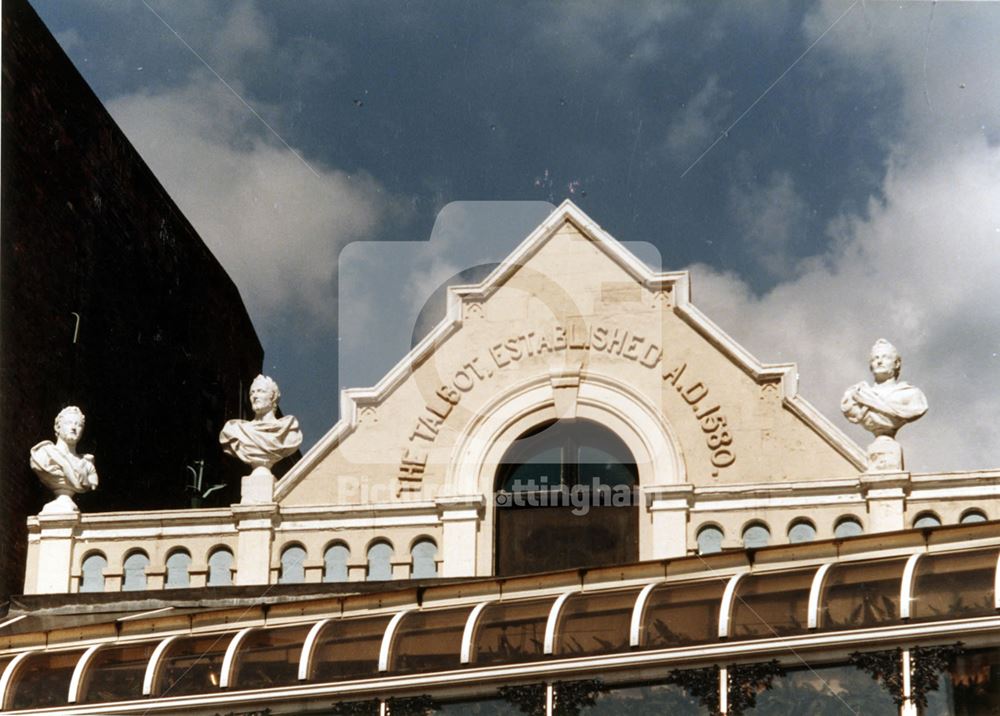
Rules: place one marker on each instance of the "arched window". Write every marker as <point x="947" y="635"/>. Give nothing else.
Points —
<point x="178" y="565"/>
<point x="848" y="527"/>
<point x="709" y="540"/>
<point x="293" y="569"/>
<point x="566" y="497"/>
<point x="220" y="568"/>
<point x="970" y="516"/>
<point x="335" y="562"/>
<point x="424" y="555"/>
<point x="135" y="572"/>
<point x="802" y="530"/>
<point x="379" y="562"/>
<point x="756" y="535"/>
<point x="927" y="519"/>
<point x="93" y="568"/>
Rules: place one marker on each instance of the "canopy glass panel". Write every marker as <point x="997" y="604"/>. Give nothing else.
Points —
<point x="511" y="631"/>
<point x="770" y="605"/>
<point x="595" y="622"/>
<point x="269" y="657"/>
<point x="861" y="594"/>
<point x="429" y="641"/>
<point x="115" y="673"/>
<point x="954" y="585"/>
<point x="42" y="680"/>
<point x="348" y="648"/>
<point x="191" y="665"/>
<point x="682" y="614"/>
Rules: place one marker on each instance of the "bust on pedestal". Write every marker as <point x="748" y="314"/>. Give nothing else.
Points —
<point x="261" y="442"/>
<point x="58" y="465"/>
<point x="884" y="407"/>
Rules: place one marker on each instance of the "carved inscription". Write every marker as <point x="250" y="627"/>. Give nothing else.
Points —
<point x="613" y="341"/>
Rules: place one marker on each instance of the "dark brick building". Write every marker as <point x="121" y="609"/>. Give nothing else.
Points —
<point x="110" y="301"/>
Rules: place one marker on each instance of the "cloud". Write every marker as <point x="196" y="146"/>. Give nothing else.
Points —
<point x="768" y="216"/>
<point x="920" y="269"/>
<point x="275" y="223"/>
<point x="694" y="127"/>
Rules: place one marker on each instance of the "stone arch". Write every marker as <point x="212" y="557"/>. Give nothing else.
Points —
<point x="591" y="396"/>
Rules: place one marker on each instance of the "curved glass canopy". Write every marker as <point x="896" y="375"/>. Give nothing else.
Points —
<point x="660" y="615"/>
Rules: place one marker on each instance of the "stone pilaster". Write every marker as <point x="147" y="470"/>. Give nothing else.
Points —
<point x="460" y="518"/>
<point x="668" y="506"/>
<point x="255" y="527"/>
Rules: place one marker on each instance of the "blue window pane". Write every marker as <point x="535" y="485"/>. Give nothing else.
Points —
<point x="135" y="572"/>
<point x="379" y="561"/>
<point x="93" y="573"/>
<point x="801" y="532"/>
<point x="848" y="527"/>
<point x="709" y="540"/>
<point x="424" y="564"/>
<point x="335" y="563"/>
<point x="220" y="568"/>
<point x="178" y="565"/>
<point x="293" y="569"/>
<point x="756" y="536"/>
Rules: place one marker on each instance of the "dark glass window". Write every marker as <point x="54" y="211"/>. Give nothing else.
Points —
<point x="954" y="586"/>
<point x="511" y="631"/>
<point x="429" y="641"/>
<point x="648" y="700"/>
<point x="42" y="680"/>
<point x="769" y="605"/>
<point x="682" y="614"/>
<point x="595" y="623"/>
<point x="861" y="594"/>
<point x="348" y="648"/>
<point x="115" y="673"/>
<point x="970" y="686"/>
<point x="269" y="657"/>
<point x="191" y="665"/>
<point x="824" y="690"/>
<point x="566" y="497"/>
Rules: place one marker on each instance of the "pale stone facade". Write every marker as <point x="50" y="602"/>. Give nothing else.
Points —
<point x="569" y="326"/>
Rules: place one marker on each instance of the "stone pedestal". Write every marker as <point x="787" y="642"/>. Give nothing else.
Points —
<point x="55" y="552"/>
<point x="668" y="507"/>
<point x="257" y="488"/>
<point x="885" y="455"/>
<point x="255" y="526"/>
<point x="886" y="495"/>
<point x="460" y="519"/>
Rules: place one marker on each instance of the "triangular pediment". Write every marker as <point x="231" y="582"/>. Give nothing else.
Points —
<point x="571" y="308"/>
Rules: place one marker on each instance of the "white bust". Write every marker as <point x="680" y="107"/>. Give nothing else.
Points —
<point x="266" y="439"/>
<point x="58" y="465"/>
<point x="885" y="406"/>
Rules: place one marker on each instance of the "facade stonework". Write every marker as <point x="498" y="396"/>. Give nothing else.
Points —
<point x="570" y="327"/>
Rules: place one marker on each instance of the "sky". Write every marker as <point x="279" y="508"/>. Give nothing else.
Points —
<point x="828" y="171"/>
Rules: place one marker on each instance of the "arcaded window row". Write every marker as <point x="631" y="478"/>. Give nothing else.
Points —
<point x="336" y="560"/>
<point x="758" y="534"/>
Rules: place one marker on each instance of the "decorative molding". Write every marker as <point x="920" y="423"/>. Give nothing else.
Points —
<point x="885" y="667"/>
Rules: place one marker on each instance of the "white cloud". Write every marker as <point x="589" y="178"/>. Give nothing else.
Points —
<point x="919" y="269"/>
<point x="700" y="119"/>
<point x="270" y="220"/>
<point x="768" y="216"/>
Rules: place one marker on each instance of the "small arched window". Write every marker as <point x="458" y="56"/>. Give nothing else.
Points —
<point x="926" y="519"/>
<point x="135" y="572"/>
<point x="335" y="562"/>
<point x="970" y="516"/>
<point x="93" y="568"/>
<point x="178" y="566"/>
<point x="379" y="562"/>
<point x="756" y="535"/>
<point x="424" y="554"/>
<point x="709" y="540"/>
<point x="220" y="568"/>
<point x="801" y="531"/>
<point x="293" y="569"/>
<point x="848" y="527"/>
